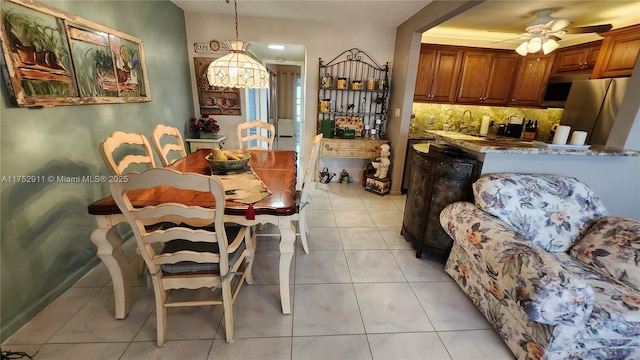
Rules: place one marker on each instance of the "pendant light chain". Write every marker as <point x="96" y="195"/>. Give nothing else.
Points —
<point x="235" y="5"/>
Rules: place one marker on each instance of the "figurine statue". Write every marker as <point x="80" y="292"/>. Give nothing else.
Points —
<point x="383" y="163"/>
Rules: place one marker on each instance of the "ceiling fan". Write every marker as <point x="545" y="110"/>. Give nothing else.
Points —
<point x="544" y="31"/>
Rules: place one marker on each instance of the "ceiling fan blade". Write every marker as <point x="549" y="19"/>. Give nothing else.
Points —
<point x="511" y="39"/>
<point x="554" y="37"/>
<point x="557" y="24"/>
<point x="589" y="29"/>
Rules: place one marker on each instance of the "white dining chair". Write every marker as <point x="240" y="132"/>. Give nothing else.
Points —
<point x="136" y="148"/>
<point x="256" y="135"/>
<point x="137" y="156"/>
<point x="173" y="143"/>
<point x="194" y="254"/>
<point x="302" y="196"/>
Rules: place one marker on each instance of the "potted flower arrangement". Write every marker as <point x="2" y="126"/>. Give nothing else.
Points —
<point x="204" y="127"/>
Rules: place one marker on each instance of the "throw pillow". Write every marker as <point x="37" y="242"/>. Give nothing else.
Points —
<point x="553" y="211"/>
<point x="612" y="246"/>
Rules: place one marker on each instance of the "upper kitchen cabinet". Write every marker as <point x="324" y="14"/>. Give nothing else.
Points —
<point x="578" y="59"/>
<point x="438" y="69"/>
<point x="531" y="80"/>
<point x="619" y="52"/>
<point x="486" y="77"/>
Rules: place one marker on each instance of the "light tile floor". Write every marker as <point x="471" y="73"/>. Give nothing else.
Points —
<point x="359" y="294"/>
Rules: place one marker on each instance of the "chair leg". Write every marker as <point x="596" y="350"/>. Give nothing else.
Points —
<point x="304" y="229"/>
<point x="227" y="303"/>
<point x="140" y="266"/>
<point x="250" y="240"/>
<point x="161" y="313"/>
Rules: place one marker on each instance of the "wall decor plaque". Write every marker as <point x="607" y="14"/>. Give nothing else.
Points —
<point x="53" y="58"/>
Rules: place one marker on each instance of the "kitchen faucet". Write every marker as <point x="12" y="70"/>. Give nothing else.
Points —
<point x="462" y="125"/>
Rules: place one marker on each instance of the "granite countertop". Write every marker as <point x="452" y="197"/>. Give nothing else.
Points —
<point x="422" y="135"/>
<point x="509" y="145"/>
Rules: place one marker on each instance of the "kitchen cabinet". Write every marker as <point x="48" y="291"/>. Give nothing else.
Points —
<point x="359" y="148"/>
<point x="438" y="69"/>
<point x="531" y="80"/>
<point x="579" y="59"/>
<point x="619" y="52"/>
<point x="439" y="177"/>
<point x="486" y="77"/>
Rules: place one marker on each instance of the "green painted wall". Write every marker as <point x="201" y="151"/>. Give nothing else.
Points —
<point x="45" y="228"/>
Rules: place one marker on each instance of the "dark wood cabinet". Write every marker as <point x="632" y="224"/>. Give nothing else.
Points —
<point x="618" y="53"/>
<point x="531" y="80"/>
<point x="437" y="76"/>
<point x="438" y="178"/>
<point x="579" y="59"/>
<point x="486" y="77"/>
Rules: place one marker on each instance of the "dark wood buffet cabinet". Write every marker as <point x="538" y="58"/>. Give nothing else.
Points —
<point x="482" y="76"/>
<point x="439" y="177"/>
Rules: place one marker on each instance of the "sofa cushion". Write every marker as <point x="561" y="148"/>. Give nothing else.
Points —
<point x="550" y="210"/>
<point x="612" y="247"/>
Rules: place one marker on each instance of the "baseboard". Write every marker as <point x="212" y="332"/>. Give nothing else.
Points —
<point x="9" y="327"/>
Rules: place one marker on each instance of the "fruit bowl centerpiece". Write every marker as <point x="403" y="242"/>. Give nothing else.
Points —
<point x="225" y="160"/>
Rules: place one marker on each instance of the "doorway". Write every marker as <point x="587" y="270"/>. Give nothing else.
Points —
<point x="286" y="105"/>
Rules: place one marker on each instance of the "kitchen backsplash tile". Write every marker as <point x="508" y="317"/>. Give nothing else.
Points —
<point x="452" y="115"/>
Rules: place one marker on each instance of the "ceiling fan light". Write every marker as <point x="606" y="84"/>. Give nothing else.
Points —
<point x="534" y="45"/>
<point x="549" y="45"/>
<point x="522" y="49"/>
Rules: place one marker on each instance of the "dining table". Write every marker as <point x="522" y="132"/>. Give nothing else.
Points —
<point x="276" y="169"/>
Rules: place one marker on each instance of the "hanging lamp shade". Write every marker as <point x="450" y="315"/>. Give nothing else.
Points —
<point x="237" y="69"/>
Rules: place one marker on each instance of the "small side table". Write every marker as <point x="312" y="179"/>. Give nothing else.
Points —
<point x="195" y="144"/>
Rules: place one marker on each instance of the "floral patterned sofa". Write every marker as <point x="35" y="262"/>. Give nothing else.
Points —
<point x="555" y="276"/>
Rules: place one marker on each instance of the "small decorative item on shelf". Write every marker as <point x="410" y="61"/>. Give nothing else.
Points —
<point x="204" y="127"/>
<point x="327" y="81"/>
<point x="371" y="84"/>
<point x="342" y="83"/>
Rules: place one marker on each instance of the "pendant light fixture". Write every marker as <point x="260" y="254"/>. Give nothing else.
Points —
<point x="237" y="69"/>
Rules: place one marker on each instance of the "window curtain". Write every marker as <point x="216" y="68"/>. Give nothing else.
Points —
<point x="287" y="82"/>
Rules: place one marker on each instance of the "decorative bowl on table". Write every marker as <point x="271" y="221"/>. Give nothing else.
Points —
<point x="229" y="165"/>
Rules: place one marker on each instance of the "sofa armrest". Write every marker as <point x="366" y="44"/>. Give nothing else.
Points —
<point x="515" y="268"/>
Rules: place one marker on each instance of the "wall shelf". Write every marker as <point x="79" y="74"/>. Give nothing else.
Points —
<point x="367" y="106"/>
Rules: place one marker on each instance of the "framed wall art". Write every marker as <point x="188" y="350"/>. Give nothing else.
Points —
<point x="215" y="100"/>
<point x="53" y="58"/>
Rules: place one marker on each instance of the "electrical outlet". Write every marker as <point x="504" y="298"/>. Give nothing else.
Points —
<point x="335" y="164"/>
<point x="397" y="113"/>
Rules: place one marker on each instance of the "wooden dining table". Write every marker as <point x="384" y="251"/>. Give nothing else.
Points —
<point x="276" y="169"/>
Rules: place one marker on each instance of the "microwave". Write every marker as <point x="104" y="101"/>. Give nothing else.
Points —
<point x="558" y="88"/>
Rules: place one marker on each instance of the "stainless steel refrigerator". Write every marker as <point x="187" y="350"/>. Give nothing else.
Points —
<point x="592" y="106"/>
